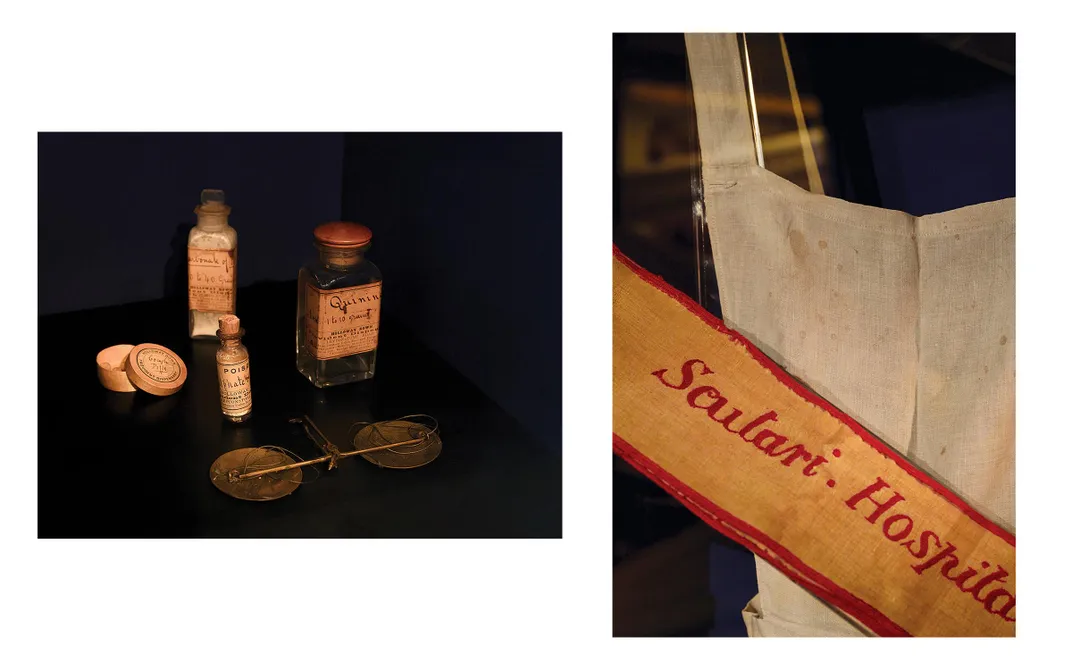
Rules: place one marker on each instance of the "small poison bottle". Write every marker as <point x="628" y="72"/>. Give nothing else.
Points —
<point x="211" y="253"/>
<point x="338" y="320"/>
<point x="232" y="364"/>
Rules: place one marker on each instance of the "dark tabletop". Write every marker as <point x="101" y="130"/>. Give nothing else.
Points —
<point x="136" y="465"/>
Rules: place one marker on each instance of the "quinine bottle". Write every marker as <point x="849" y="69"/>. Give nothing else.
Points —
<point x="338" y="319"/>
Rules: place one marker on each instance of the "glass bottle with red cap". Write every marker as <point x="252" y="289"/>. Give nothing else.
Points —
<point x="338" y="321"/>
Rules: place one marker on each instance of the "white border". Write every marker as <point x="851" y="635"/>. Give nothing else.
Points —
<point x="456" y="66"/>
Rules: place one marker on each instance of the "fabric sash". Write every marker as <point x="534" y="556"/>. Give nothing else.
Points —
<point x="764" y="460"/>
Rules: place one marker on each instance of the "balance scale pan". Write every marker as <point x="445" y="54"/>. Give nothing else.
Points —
<point x="266" y="487"/>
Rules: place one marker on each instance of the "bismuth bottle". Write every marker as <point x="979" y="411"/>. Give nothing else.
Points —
<point x="211" y="253"/>
<point x="338" y="320"/>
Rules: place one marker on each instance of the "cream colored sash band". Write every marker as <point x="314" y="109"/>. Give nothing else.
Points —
<point x="761" y="458"/>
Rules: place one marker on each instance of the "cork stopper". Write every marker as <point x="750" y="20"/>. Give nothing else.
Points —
<point x="213" y="203"/>
<point x="229" y="325"/>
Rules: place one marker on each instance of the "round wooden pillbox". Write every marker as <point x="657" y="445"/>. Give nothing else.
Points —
<point x="147" y="367"/>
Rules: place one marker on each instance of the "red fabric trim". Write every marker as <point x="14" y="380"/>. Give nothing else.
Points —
<point x="810" y="396"/>
<point x="740" y="531"/>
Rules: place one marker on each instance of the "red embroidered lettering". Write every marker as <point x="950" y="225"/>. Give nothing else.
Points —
<point x="709" y="391"/>
<point x="719" y="403"/>
<point x="997" y="576"/>
<point x="992" y="597"/>
<point x="816" y="461"/>
<point x="900" y="535"/>
<point x="769" y="416"/>
<point x="964" y="576"/>
<point x="776" y="441"/>
<point x="796" y="451"/>
<point x="945" y="553"/>
<point x="727" y="420"/>
<point x="896" y="528"/>
<point x="880" y="508"/>
<point x="686" y="374"/>
<point x="924" y="546"/>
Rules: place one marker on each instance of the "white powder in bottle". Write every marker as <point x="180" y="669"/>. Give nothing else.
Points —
<point x="212" y="255"/>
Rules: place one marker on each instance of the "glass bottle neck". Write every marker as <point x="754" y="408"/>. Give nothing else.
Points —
<point x="229" y="342"/>
<point x="212" y="221"/>
<point x="341" y="259"/>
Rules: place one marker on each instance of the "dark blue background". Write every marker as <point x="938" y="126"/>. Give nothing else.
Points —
<point x="467" y="229"/>
<point x="114" y="208"/>
<point x="939" y="155"/>
<point x="468" y="232"/>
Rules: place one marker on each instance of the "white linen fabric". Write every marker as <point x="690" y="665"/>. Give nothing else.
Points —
<point x="905" y="323"/>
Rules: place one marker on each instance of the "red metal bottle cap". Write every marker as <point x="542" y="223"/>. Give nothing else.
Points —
<point x="342" y="235"/>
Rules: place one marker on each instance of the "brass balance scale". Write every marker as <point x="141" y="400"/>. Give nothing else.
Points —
<point x="270" y="472"/>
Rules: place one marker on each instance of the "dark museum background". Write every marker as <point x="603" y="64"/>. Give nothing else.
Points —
<point x="466" y="228"/>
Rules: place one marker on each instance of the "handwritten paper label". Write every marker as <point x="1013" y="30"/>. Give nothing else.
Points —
<point x="235" y="393"/>
<point x="212" y="279"/>
<point x="342" y="322"/>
